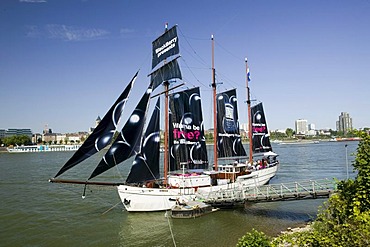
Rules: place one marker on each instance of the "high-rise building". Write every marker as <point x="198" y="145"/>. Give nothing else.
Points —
<point x="344" y="123"/>
<point x="301" y="127"/>
<point x="311" y="129"/>
<point x="2" y="133"/>
<point x="18" y="132"/>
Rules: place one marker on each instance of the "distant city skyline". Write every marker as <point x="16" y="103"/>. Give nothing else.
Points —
<point x="307" y="59"/>
<point x="243" y="126"/>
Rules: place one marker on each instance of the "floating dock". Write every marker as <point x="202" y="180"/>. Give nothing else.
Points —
<point x="191" y="209"/>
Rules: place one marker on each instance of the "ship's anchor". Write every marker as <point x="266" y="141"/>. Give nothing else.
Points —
<point x="126" y="202"/>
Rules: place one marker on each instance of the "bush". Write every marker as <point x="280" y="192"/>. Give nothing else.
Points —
<point x="344" y="220"/>
<point x="254" y="238"/>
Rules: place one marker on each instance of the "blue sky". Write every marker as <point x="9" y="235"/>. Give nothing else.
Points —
<point x="63" y="63"/>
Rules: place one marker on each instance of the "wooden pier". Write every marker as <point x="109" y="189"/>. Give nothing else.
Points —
<point x="311" y="189"/>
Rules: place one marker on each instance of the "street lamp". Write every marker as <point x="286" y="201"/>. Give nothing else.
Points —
<point x="346" y="159"/>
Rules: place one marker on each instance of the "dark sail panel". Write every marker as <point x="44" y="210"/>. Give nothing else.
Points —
<point x="146" y="164"/>
<point x="127" y="143"/>
<point x="229" y="142"/>
<point x="167" y="72"/>
<point x="102" y="134"/>
<point x="165" y="46"/>
<point x="260" y="134"/>
<point x="187" y="141"/>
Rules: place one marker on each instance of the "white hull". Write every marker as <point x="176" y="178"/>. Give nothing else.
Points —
<point x="142" y="199"/>
<point x="138" y="199"/>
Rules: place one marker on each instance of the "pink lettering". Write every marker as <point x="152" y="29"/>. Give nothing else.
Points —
<point x="178" y="134"/>
<point x="259" y="129"/>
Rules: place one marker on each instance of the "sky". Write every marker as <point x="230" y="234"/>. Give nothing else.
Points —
<point x="63" y="63"/>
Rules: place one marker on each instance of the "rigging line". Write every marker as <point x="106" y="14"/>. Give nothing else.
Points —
<point x="191" y="47"/>
<point x="197" y="58"/>
<point x="230" y="53"/>
<point x="145" y="61"/>
<point x="169" y="224"/>
<point x="109" y="209"/>
<point x="230" y="20"/>
<point x="101" y="199"/>
<point x="117" y="169"/>
<point x="193" y="73"/>
<point x="229" y="80"/>
<point x="89" y="189"/>
<point x="70" y="190"/>
<point x="151" y="172"/>
<point x="119" y="172"/>
<point x="194" y="38"/>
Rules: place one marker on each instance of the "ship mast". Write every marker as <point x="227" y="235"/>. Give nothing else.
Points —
<point x="214" y="106"/>
<point x="249" y="114"/>
<point x="166" y="127"/>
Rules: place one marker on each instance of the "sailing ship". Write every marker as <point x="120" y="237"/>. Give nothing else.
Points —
<point x="187" y="175"/>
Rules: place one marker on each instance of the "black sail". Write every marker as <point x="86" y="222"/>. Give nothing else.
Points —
<point x="165" y="46"/>
<point x="229" y="142"/>
<point x="187" y="141"/>
<point x="103" y="133"/>
<point x="127" y="143"/>
<point x="167" y="72"/>
<point x="260" y="134"/>
<point x="146" y="164"/>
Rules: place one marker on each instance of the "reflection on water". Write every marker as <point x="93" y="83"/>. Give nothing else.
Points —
<point x="35" y="212"/>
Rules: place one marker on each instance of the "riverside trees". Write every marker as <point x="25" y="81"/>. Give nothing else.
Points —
<point x="17" y="140"/>
<point x="344" y="220"/>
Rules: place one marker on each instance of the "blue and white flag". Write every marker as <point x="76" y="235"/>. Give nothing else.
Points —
<point x="248" y="75"/>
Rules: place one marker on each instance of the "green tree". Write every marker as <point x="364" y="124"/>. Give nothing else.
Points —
<point x="17" y="140"/>
<point x="345" y="218"/>
<point x="277" y="135"/>
<point x="209" y="137"/>
<point x="289" y="132"/>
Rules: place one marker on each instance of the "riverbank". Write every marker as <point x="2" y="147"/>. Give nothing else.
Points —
<point x="303" y="228"/>
<point x="284" y="235"/>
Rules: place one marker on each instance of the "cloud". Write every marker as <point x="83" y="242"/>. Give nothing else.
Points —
<point x="66" y="33"/>
<point x="126" y="31"/>
<point x="33" y="31"/>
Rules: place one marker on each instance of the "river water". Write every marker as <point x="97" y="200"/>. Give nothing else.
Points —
<point x="34" y="212"/>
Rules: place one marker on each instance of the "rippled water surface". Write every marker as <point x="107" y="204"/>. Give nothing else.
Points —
<point x="37" y="213"/>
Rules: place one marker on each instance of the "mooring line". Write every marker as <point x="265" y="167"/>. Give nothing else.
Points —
<point x="111" y="208"/>
<point x="169" y="224"/>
